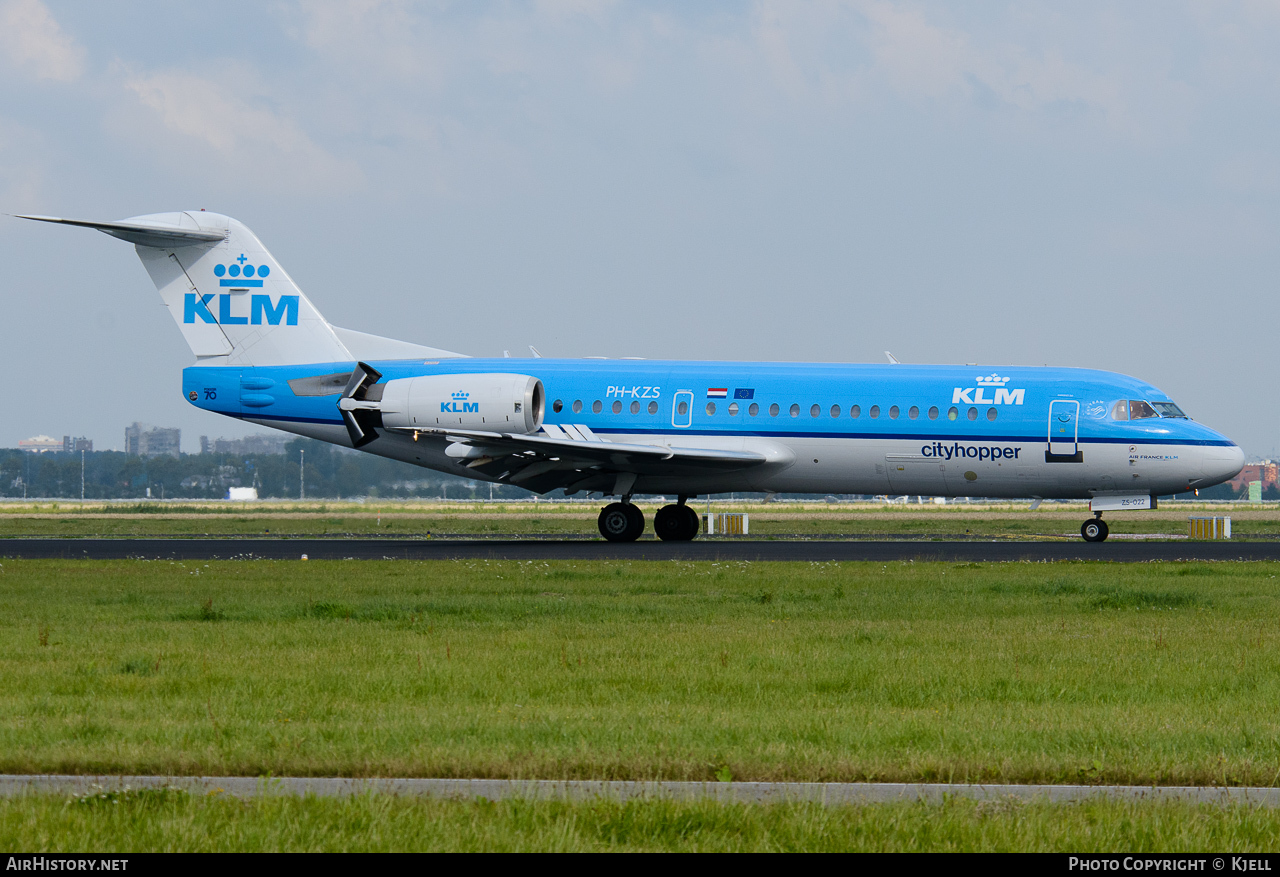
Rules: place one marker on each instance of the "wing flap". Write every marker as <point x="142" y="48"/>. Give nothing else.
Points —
<point x="612" y="456"/>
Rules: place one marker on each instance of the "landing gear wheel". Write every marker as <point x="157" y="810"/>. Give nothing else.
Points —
<point x="621" y="522"/>
<point x="692" y="518"/>
<point x="1095" y="530"/>
<point x="675" y="523"/>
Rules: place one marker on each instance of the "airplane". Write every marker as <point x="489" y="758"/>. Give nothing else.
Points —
<point x="620" y="428"/>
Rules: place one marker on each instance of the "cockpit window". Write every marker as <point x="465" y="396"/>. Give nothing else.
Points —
<point x="1139" y="410"/>
<point x="1168" y="409"/>
<point x="1120" y="410"/>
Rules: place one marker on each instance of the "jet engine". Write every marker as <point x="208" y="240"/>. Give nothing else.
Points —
<point x="485" y="402"/>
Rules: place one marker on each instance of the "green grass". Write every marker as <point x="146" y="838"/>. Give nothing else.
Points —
<point x="1096" y="673"/>
<point x="173" y="821"/>
<point x="557" y="520"/>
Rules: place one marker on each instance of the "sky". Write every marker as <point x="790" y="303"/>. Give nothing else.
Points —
<point x="1083" y="184"/>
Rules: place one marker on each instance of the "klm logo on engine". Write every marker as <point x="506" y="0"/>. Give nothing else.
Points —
<point x="460" y="405"/>
<point x="978" y="395"/>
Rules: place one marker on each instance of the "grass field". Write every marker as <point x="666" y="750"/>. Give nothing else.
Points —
<point x="1095" y="673"/>
<point x="774" y="520"/>
<point x="169" y="821"/>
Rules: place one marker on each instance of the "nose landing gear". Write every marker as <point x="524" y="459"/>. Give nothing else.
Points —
<point x="1095" y="530"/>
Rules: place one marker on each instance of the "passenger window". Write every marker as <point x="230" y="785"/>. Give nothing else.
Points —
<point x="933" y="413"/>
<point x="855" y="411"/>
<point x="682" y="408"/>
<point x="795" y="410"/>
<point x="952" y="414"/>
<point x="914" y="412"/>
<point x="773" y="410"/>
<point x="653" y="407"/>
<point x="596" y="406"/>
<point x="711" y="408"/>
<point x="1139" y="410"/>
<point x="874" y="412"/>
<point x="973" y="413"/>
<point x="635" y="407"/>
<point x="754" y="409"/>
<point x="815" y="410"/>
<point x="1120" y="410"/>
<point x="617" y="406"/>
<point x="835" y="410"/>
<point x="733" y="409"/>
<point x="992" y="414"/>
<point x="557" y="406"/>
<point x="893" y="413"/>
<point x="577" y="405"/>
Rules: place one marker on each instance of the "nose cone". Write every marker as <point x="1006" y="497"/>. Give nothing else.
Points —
<point x="1221" y="463"/>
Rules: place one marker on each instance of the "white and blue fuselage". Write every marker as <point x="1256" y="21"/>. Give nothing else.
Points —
<point x="824" y="428"/>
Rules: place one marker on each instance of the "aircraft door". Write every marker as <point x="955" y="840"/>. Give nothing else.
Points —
<point x="1064" y="432"/>
<point x="682" y="409"/>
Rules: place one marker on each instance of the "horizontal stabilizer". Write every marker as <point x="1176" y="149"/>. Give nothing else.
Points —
<point x="143" y="234"/>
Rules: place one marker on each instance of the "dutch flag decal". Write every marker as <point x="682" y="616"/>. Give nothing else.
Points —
<point x="717" y="392"/>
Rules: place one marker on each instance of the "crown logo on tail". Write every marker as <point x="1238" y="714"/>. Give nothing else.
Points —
<point x="239" y="273"/>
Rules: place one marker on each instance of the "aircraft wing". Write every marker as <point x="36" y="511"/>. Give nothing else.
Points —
<point x="574" y="455"/>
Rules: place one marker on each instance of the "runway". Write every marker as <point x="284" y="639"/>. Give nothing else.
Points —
<point x="240" y="548"/>
<point x="827" y="794"/>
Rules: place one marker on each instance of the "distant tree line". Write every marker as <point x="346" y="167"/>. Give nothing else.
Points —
<point x="331" y="472"/>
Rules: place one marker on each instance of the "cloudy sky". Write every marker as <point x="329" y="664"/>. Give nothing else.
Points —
<point x="1072" y="184"/>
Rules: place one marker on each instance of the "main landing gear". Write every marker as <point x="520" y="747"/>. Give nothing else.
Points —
<point x="676" y="523"/>
<point x="623" y="522"/>
<point x="1095" y="530"/>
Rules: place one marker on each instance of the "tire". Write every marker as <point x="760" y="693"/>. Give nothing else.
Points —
<point x="621" y="522"/>
<point x="675" y="523"/>
<point x="1095" y="530"/>
<point x="669" y="524"/>
<point x="692" y="522"/>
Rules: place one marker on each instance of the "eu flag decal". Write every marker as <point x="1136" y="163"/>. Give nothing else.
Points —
<point x="744" y="394"/>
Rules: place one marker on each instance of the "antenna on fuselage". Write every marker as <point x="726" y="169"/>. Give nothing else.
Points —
<point x="893" y="360"/>
<point x="534" y="351"/>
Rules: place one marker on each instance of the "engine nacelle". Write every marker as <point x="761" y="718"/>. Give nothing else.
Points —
<point x="487" y="402"/>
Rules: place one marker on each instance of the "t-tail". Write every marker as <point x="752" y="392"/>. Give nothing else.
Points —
<point x="232" y="300"/>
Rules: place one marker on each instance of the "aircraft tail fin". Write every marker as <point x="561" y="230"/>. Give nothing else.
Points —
<point x="233" y="302"/>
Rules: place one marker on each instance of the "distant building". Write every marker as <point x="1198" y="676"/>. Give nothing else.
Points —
<point x="76" y="445"/>
<point x="263" y="443"/>
<point x="142" y="440"/>
<point x="40" y="444"/>
<point x="1267" y="472"/>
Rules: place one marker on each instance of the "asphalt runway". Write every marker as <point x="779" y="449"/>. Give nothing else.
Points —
<point x="828" y="794"/>
<point x="240" y="548"/>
